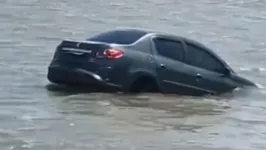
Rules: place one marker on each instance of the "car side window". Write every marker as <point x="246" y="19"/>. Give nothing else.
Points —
<point x="169" y="48"/>
<point x="199" y="57"/>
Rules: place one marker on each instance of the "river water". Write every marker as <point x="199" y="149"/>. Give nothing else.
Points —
<point x="33" y="117"/>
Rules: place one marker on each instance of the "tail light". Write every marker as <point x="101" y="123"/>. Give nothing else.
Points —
<point x="113" y="53"/>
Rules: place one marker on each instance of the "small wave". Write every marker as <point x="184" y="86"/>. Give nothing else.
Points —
<point x="259" y="86"/>
<point x="252" y="69"/>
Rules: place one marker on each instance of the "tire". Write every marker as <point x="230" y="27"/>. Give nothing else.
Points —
<point x="144" y="85"/>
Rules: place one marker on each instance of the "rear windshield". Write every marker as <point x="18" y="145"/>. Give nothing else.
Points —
<point x="119" y="36"/>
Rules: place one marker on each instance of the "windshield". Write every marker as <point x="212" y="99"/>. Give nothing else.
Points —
<point x="119" y="36"/>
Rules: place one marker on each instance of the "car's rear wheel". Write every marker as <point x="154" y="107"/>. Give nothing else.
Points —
<point x="144" y="85"/>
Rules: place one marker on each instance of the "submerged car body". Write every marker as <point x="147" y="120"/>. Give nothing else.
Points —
<point x="138" y="60"/>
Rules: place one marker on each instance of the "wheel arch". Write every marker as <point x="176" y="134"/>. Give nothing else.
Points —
<point x="142" y="75"/>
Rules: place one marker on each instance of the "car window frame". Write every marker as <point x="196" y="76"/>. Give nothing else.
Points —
<point x="170" y="38"/>
<point x="205" y="50"/>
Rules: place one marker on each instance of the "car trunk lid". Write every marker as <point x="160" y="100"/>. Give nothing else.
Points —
<point x="79" y="54"/>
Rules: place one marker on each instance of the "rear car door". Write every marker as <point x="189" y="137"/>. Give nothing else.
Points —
<point x="171" y="71"/>
<point x="208" y="70"/>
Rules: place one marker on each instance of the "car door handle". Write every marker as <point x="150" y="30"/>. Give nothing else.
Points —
<point x="162" y="65"/>
<point x="198" y="76"/>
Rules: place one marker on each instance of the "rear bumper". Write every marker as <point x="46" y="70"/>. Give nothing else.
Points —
<point x="78" y="77"/>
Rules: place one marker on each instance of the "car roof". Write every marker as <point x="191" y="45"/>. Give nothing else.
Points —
<point x="149" y="32"/>
<point x="145" y="31"/>
<point x="155" y="32"/>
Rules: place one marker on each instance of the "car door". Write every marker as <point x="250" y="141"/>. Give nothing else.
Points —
<point x="171" y="71"/>
<point x="210" y="73"/>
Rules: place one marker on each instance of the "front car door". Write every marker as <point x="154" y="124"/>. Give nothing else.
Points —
<point x="209" y="71"/>
<point x="169" y="54"/>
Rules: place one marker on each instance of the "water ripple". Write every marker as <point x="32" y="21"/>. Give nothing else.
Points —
<point x="34" y="118"/>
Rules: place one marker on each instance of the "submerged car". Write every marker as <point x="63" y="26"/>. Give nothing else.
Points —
<point x="139" y="60"/>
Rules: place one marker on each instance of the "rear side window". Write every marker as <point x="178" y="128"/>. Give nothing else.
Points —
<point x="199" y="57"/>
<point x="169" y="48"/>
<point x="119" y="36"/>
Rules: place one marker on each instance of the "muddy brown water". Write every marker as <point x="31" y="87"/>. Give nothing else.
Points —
<point x="33" y="117"/>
